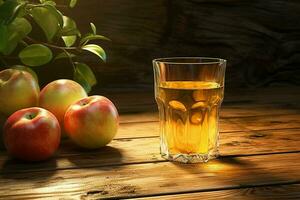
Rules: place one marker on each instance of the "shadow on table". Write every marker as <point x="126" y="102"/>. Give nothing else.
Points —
<point x="22" y="171"/>
<point x="85" y="158"/>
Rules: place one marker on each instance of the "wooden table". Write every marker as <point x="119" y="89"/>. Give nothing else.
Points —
<point x="260" y="159"/>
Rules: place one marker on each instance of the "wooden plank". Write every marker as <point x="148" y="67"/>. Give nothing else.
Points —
<point x="281" y="97"/>
<point x="137" y="130"/>
<point x="252" y="110"/>
<point x="233" y="111"/>
<point x="139" y="117"/>
<point x="128" y="128"/>
<point x="276" y="95"/>
<point x="277" y="192"/>
<point x="145" y="150"/>
<point x="150" y="129"/>
<point x="153" y="178"/>
<point x="127" y="102"/>
<point x="227" y="111"/>
<point x="269" y="122"/>
<point x="259" y="142"/>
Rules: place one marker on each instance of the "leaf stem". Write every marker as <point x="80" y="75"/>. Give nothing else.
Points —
<point x="70" y="59"/>
<point x="37" y="4"/>
<point x="51" y="45"/>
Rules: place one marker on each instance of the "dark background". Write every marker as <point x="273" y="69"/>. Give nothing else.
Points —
<point x="260" y="40"/>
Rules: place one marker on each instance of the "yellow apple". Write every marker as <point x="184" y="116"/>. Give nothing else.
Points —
<point x="18" y="89"/>
<point x="58" y="95"/>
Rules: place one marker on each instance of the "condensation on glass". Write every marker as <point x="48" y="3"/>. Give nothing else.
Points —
<point x="189" y="92"/>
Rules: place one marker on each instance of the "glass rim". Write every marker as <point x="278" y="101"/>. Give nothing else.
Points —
<point x="172" y="60"/>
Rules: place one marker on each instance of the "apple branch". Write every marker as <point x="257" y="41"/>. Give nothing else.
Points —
<point x="51" y="45"/>
<point x="70" y="58"/>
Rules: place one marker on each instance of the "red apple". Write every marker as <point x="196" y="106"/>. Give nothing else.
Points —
<point x="18" y="89"/>
<point x="92" y="122"/>
<point x="58" y="95"/>
<point x="32" y="134"/>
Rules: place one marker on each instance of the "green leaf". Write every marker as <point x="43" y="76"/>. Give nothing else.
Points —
<point x="3" y="37"/>
<point x="64" y="55"/>
<point x="84" y="76"/>
<point x="79" y="79"/>
<point x="95" y="49"/>
<point x="48" y="18"/>
<point x="94" y="29"/>
<point x="69" y="27"/>
<point x="35" y="55"/>
<point x="1" y="2"/>
<point x="69" y="31"/>
<point x="69" y="40"/>
<point x="19" y="11"/>
<point x="86" y="72"/>
<point x="27" y="69"/>
<point x="48" y="2"/>
<point x="20" y="26"/>
<point x="72" y="3"/>
<point x="58" y="14"/>
<point x="51" y="3"/>
<point x="16" y="31"/>
<point x="89" y="37"/>
<point x="7" y="10"/>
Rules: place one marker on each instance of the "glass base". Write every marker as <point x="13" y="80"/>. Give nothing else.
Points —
<point x="191" y="158"/>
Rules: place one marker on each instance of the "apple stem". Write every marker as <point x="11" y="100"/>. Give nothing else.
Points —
<point x="31" y="116"/>
<point x="83" y="103"/>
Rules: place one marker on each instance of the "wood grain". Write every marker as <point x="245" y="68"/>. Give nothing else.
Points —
<point x="259" y="148"/>
<point x="153" y="178"/>
<point x="277" y="192"/>
<point x="267" y="122"/>
<point x="265" y="119"/>
<point x="276" y="95"/>
<point x="233" y="118"/>
<point x="146" y="150"/>
<point x="236" y="110"/>
<point x="150" y="129"/>
<point x="227" y="111"/>
<point x="272" y="98"/>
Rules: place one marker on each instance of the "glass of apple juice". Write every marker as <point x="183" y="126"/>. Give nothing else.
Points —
<point x="189" y="92"/>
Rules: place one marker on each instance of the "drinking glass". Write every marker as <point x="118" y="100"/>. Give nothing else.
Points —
<point x="189" y="92"/>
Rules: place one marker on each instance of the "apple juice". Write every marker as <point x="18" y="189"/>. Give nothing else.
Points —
<point x="189" y="112"/>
